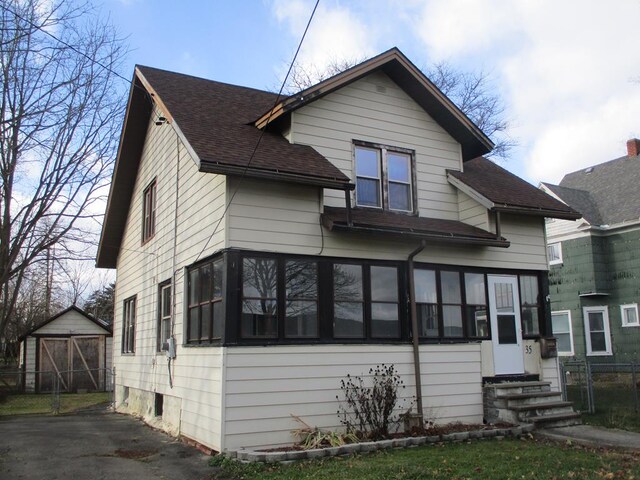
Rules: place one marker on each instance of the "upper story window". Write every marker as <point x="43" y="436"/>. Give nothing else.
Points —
<point x="554" y="253"/>
<point x="149" y="211"/>
<point x="384" y="177"/>
<point x="629" y="315"/>
<point x="129" y="325"/>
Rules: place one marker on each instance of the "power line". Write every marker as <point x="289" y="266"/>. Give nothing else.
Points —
<point x="66" y="44"/>
<point x="255" y="149"/>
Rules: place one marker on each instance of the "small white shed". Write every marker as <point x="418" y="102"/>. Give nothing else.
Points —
<point x="72" y="348"/>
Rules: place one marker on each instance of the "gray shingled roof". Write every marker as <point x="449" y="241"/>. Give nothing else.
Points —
<point x="613" y="189"/>
<point x="509" y="192"/>
<point x="580" y="200"/>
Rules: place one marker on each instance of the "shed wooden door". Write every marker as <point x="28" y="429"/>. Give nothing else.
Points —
<point x="76" y="362"/>
<point x="54" y="363"/>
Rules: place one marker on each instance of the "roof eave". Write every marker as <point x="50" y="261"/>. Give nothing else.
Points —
<point x="225" y="169"/>
<point x="132" y="137"/>
<point x="413" y="234"/>
<point x="539" y="212"/>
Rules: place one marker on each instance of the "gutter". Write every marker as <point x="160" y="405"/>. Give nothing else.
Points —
<point x="487" y="242"/>
<point x="415" y="334"/>
<point x="331" y="183"/>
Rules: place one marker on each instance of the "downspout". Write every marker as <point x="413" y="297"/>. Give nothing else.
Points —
<point x="415" y="334"/>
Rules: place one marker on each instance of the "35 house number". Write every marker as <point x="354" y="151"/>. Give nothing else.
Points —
<point x="528" y="349"/>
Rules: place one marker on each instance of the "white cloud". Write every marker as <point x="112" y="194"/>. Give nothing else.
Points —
<point x="336" y="33"/>
<point x="565" y="71"/>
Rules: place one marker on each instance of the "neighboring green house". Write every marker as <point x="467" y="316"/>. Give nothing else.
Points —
<point x="594" y="275"/>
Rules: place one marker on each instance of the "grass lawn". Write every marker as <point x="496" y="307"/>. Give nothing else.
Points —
<point x="69" y="402"/>
<point x="493" y="459"/>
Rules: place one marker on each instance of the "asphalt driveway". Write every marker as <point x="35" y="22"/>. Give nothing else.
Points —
<point x="93" y="446"/>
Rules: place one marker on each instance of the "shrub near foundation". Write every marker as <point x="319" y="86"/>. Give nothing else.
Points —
<point x="369" y="408"/>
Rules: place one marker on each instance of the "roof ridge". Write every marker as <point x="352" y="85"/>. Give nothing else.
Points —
<point x="180" y="74"/>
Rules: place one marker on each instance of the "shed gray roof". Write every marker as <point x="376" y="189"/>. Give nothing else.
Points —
<point x="605" y="194"/>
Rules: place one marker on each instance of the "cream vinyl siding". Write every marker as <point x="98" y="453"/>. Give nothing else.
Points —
<point x="471" y="212"/>
<point x="273" y="217"/>
<point x="73" y="323"/>
<point x="558" y="230"/>
<point x="266" y="385"/>
<point x="375" y="109"/>
<point x="196" y="372"/>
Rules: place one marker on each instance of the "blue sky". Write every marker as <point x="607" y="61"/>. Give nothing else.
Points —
<point x="567" y="71"/>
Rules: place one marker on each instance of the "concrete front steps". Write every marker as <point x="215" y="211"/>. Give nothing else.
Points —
<point x="528" y="402"/>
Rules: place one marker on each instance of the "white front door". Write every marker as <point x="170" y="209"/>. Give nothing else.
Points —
<point x="506" y="329"/>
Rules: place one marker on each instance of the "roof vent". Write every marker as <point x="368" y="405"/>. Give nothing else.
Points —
<point x="588" y="170"/>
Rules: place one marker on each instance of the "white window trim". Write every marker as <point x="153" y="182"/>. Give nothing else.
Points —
<point x="559" y="260"/>
<point x="623" y="308"/>
<point x="568" y="313"/>
<point x="607" y="331"/>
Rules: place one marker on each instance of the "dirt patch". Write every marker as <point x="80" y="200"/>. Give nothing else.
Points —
<point x="134" y="454"/>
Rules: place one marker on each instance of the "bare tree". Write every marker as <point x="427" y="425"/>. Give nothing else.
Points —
<point x="60" y="108"/>
<point x="470" y="91"/>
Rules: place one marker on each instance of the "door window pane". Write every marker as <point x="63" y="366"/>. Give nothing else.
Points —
<point x="507" y="329"/>
<point x="504" y="297"/>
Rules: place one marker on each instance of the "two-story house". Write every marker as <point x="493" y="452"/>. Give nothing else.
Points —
<point x="267" y="247"/>
<point x="595" y="263"/>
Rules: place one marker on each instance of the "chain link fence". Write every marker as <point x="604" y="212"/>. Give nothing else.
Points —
<point x="606" y="393"/>
<point x="40" y="392"/>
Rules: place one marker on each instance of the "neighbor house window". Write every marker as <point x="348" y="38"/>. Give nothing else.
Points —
<point x="597" y="333"/>
<point x="164" y="315"/>
<point x="149" y="211"/>
<point x="561" y="326"/>
<point x="205" y="316"/>
<point x="629" y="315"/>
<point x="129" y="325"/>
<point x="554" y="253"/>
<point x="384" y="177"/>
<point x="530" y="303"/>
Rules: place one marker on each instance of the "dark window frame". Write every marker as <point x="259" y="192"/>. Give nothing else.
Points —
<point x="384" y="180"/>
<point x="202" y="303"/>
<point x="232" y="300"/>
<point x="149" y="200"/>
<point x="129" y="315"/>
<point x="161" y="343"/>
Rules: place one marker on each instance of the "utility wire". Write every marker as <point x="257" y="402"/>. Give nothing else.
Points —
<point x="255" y="149"/>
<point x="66" y="44"/>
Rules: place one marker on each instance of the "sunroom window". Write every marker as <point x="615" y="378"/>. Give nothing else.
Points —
<point x="259" y="298"/>
<point x="205" y="312"/>
<point x="384" y="177"/>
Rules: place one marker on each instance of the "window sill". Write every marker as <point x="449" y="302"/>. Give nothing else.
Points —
<point x="202" y="345"/>
<point x="599" y="354"/>
<point x="631" y="325"/>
